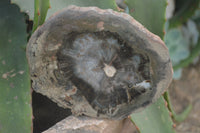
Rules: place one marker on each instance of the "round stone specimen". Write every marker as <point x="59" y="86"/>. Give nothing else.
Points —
<point x="99" y="63"/>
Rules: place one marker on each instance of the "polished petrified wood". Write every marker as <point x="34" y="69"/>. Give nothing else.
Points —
<point x="99" y="63"/>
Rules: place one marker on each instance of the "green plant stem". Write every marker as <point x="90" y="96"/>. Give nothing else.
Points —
<point x="180" y="117"/>
<point x="44" y="6"/>
<point x="41" y="8"/>
<point x="36" y="16"/>
<point x="194" y="53"/>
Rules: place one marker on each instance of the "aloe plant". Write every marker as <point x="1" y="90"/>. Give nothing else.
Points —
<point x="41" y="8"/>
<point x="15" y="96"/>
<point x="150" y="13"/>
<point x="154" y="20"/>
<point x="15" y="93"/>
<point x="183" y="26"/>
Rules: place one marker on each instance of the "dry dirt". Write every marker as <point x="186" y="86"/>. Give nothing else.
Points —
<point x="185" y="91"/>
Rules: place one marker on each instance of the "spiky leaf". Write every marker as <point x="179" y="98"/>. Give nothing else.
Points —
<point x="15" y="95"/>
<point x="151" y="13"/>
<point x="26" y="6"/>
<point x="41" y="8"/>
<point x="56" y="5"/>
<point x="154" y="119"/>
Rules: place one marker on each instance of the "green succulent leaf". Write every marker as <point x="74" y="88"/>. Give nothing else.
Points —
<point x="57" y="5"/>
<point x="150" y="13"/>
<point x="37" y="9"/>
<point x="41" y="8"/>
<point x="194" y="53"/>
<point x="15" y="95"/>
<point x="26" y="6"/>
<point x="177" y="117"/>
<point x="177" y="44"/>
<point x="179" y="41"/>
<point x="154" y="119"/>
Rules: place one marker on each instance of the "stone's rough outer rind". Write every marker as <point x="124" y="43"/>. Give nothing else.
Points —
<point x="100" y="63"/>
<point x="83" y="124"/>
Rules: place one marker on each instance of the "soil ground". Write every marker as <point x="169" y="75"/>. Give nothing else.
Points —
<point x="185" y="91"/>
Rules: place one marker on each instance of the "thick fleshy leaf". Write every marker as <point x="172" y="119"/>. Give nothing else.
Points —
<point x="150" y="13"/>
<point x="57" y="5"/>
<point x="26" y="6"/>
<point x="177" y="44"/>
<point x="154" y="119"/>
<point x="37" y="9"/>
<point x="194" y="53"/>
<point x="41" y="8"/>
<point x="15" y="95"/>
<point x="181" y="116"/>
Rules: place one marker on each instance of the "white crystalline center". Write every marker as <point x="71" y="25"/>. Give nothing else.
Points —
<point x="109" y="70"/>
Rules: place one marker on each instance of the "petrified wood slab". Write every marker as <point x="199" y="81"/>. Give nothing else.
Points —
<point x="99" y="63"/>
